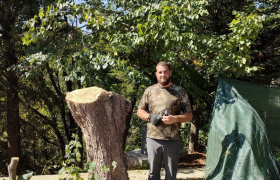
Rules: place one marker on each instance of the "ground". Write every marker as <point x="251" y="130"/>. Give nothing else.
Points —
<point x="193" y="160"/>
<point x="190" y="166"/>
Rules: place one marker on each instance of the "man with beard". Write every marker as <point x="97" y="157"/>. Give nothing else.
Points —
<point x="164" y="106"/>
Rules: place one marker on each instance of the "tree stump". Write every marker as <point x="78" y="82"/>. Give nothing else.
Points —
<point x="12" y="168"/>
<point x="101" y="116"/>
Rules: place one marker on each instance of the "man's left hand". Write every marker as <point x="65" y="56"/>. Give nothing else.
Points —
<point x="168" y="119"/>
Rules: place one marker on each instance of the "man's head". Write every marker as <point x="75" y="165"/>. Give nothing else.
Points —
<point x="163" y="73"/>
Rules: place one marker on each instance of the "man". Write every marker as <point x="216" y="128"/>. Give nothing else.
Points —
<point x="161" y="106"/>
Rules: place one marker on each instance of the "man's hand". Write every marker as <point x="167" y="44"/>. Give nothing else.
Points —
<point x="178" y="118"/>
<point x="155" y="119"/>
<point x="168" y="119"/>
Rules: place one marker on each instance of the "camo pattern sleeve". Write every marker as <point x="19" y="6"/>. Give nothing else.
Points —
<point x="185" y="103"/>
<point x="144" y="102"/>
<point x="158" y="100"/>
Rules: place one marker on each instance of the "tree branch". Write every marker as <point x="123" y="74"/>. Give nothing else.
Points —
<point x="52" y="80"/>
<point x="39" y="132"/>
<point x="34" y="110"/>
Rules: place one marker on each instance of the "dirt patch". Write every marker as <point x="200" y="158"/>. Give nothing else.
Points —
<point x="196" y="159"/>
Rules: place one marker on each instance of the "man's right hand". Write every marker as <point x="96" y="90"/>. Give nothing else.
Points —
<point x="155" y="119"/>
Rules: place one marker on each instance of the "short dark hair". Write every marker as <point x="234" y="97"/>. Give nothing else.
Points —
<point x="163" y="63"/>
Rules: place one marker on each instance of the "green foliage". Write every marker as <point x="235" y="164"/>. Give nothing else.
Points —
<point x="26" y="176"/>
<point x="72" y="154"/>
<point x="266" y="49"/>
<point x="185" y="135"/>
<point x="278" y="155"/>
<point x="135" y="133"/>
<point x="172" y="30"/>
<point x="71" y="150"/>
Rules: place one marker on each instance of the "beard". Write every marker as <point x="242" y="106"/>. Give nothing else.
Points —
<point x="164" y="82"/>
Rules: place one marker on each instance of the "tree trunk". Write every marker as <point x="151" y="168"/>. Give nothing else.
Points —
<point x="13" y="121"/>
<point x="101" y="116"/>
<point x="79" y="130"/>
<point x="193" y="142"/>
<point x="60" y="139"/>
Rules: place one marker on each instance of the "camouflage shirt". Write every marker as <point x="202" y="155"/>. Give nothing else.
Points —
<point x="156" y="100"/>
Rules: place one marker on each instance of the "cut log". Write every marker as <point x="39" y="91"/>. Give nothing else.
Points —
<point x="12" y="168"/>
<point x="101" y="116"/>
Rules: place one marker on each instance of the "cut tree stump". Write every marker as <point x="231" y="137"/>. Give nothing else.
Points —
<point x="12" y="168"/>
<point x="101" y="116"/>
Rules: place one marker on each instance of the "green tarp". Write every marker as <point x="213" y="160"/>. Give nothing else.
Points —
<point x="242" y="129"/>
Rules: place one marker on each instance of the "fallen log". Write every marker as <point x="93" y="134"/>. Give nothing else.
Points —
<point x="101" y="117"/>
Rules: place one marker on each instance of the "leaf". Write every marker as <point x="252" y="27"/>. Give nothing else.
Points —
<point x="96" y="177"/>
<point x="254" y="68"/>
<point x="72" y="143"/>
<point x="140" y="33"/>
<point x="78" y="157"/>
<point x="74" y="171"/>
<point x="243" y="60"/>
<point x="19" y="178"/>
<point x="62" y="171"/>
<point x="105" y="169"/>
<point x="114" y="164"/>
<point x="105" y="66"/>
<point x="89" y="166"/>
<point x="78" y="145"/>
<point x="27" y="176"/>
<point x="41" y="14"/>
<point x="155" y="35"/>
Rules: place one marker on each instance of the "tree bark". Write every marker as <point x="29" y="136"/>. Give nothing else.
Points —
<point x="13" y="120"/>
<point x="12" y="168"/>
<point x="101" y="116"/>
<point x="9" y="58"/>
<point x="193" y="142"/>
<point x="79" y="130"/>
<point x="194" y="129"/>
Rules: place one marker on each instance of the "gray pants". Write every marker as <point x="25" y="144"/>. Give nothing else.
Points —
<point x="166" y="151"/>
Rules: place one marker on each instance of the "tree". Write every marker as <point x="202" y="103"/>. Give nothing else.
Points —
<point x="140" y="33"/>
<point x="8" y="15"/>
<point x="266" y="49"/>
<point x="12" y="15"/>
<point x="220" y="13"/>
